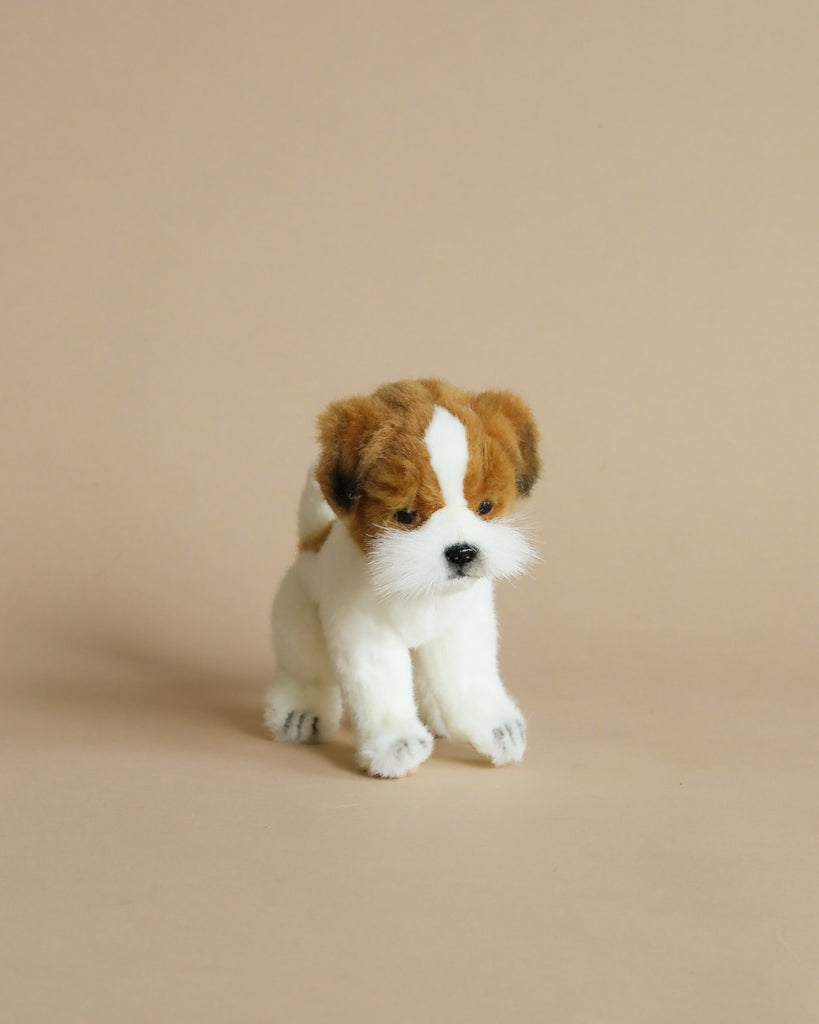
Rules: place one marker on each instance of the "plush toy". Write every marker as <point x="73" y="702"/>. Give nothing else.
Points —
<point x="403" y="529"/>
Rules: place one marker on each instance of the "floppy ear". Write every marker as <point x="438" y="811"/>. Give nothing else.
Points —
<point x="344" y="428"/>
<point x="508" y="419"/>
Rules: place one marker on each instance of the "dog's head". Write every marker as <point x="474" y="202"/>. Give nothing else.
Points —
<point x="424" y="477"/>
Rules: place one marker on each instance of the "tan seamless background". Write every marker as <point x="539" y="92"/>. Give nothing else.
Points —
<point x="216" y="218"/>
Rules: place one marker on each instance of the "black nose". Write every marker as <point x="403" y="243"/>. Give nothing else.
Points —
<point x="460" y="554"/>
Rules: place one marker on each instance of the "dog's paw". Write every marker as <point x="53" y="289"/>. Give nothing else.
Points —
<point x="298" y="712"/>
<point x="391" y="755"/>
<point x="504" y="743"/>
<point x="295" y="727"/>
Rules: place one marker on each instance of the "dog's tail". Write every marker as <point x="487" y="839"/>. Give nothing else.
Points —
<point x="315" y="515"/>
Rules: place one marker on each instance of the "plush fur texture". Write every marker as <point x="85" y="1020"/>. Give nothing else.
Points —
<point x="404" y="525"/>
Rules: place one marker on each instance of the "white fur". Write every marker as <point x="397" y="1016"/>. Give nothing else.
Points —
<point x="445" y="439"/>
<point x="411" y="564"/>
<point x="411" y="646"/>
<point x="314" y="512"/>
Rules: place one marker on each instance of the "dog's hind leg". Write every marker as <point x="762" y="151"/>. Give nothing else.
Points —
<point x="303" y="702"/>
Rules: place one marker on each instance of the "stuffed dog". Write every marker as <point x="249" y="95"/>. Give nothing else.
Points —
<point x="404" y="527"/>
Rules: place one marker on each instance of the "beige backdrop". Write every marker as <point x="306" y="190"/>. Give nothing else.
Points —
<point x="218" y="217"/>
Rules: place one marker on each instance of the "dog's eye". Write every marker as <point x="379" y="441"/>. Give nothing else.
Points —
<point x="406" y="516"/>
<point x="485" y="508"/>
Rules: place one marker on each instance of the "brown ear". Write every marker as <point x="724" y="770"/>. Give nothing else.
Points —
<point x="508" y="419"/>
<point x="344" y="428"/>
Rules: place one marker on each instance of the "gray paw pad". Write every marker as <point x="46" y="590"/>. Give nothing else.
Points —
<point x="300" y="727"/>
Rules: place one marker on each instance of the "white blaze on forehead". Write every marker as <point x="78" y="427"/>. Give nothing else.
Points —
<point x="448" y="454"/>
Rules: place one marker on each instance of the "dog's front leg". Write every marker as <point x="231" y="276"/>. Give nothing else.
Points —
<point x="374" y="669"/>
<point x="460" y="687"/>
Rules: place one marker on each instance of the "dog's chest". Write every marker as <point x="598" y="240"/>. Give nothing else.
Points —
<point x="418" y="621"/>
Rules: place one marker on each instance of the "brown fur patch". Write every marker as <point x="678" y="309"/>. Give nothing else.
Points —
<point x="315" y="541"/>
<point x="507" y="419"/>
<point x="374" y="462"/>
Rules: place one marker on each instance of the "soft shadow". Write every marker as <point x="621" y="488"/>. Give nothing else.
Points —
<point x="459" y="753"/>
<point x="112" y="685"/>
<point x="340" y="753"/>
<point x="102" y="670"/>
